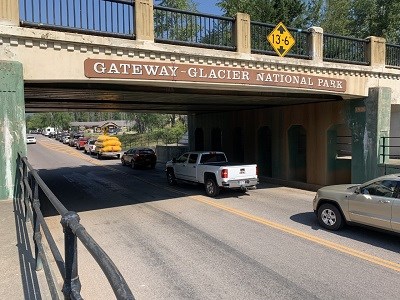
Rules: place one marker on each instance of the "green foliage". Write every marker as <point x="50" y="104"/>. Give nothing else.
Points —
<point x="167" y="135"/>
<point x="41" y="120"/>
<point x="290" y="12"/>
<point x="357" y="18"/>
<point x="148" y="122"/>
<point x="175" y="26"/>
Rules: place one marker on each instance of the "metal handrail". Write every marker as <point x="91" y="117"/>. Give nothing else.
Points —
<point x="344" y="49"/>
<point x="30" y="183"/>
<point x="180" y="27"/>
<point x="384" y="146"/>
<point x="96" y="17"/>
<point x="392" y="55"/>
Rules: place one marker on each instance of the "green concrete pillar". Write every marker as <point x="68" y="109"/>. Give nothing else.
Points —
<point x="12" y="126"/>
<point x="369" y="121"/>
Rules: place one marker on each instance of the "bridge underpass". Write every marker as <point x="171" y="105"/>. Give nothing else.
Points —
<point x="41" y="97"/>
<point x="237" y="91"/>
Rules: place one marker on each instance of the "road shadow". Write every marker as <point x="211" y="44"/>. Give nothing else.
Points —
<point x="375" y="237"/>
<point x="29" y="279"/>
<point x="85" y="188"/>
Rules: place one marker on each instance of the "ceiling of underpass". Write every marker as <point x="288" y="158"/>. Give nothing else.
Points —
<point x="44" y="97"/>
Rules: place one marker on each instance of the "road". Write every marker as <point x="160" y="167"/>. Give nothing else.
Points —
<point x="176" y="243"/>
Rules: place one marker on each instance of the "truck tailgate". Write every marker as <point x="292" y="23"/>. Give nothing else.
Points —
<point x="242" y="172"/>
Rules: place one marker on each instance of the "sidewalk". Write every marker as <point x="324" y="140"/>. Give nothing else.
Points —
<point x="18" y="278"/>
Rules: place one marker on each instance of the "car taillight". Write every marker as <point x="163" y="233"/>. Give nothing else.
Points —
<point x="224" y="173"/>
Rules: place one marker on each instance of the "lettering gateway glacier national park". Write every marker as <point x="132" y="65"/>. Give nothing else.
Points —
<point x="140" y="70"/>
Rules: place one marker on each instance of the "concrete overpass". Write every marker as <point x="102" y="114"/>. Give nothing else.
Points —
<point x="315" y="116"/>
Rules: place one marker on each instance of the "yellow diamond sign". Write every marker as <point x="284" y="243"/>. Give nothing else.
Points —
<point x="281" y="39"/>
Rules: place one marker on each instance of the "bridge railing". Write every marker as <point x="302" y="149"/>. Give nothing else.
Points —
<point x="392" y="55"/>
<point x="98" y="17"/>
<point x="345" y="49"/>
<point x="259" y="44"/>
<point x="124" y="18"/>
<point x="179" y="27"/>
<point x="31" y="184"/>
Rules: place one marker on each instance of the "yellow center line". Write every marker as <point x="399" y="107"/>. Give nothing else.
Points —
<point x="199" y="198"/>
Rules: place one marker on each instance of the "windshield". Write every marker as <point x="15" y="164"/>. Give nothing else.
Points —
<point x="212" y="157"/>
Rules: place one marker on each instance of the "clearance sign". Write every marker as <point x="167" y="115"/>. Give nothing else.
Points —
<point x="140" y="70"/>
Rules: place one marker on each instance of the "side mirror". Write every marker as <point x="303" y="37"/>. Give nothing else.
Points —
<point x="174" y="160"/>
<point x="124" y="152"/>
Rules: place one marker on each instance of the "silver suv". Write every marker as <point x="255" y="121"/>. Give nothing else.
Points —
<point x="375" y="203"/>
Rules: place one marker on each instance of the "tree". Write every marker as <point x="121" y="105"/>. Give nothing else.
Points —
<point x="173" y="25"/>
<point x="290" y="12"/>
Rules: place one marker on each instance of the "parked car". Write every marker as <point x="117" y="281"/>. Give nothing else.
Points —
<point x="65" y="139"/>
<point x="30" y="139"/>
<point x="212" y="169"/>
<point x="81" y="142"/>
<point x="90" y="146"/>
<point x="143" y="157"/>
<point x="74" y="138"/>
<point x="375" y="203"/>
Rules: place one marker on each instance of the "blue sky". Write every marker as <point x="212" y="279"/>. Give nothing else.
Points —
<point x="208" y="7"/>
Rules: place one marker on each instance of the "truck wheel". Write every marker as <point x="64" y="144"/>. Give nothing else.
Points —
<point x="330" y="217"/>
<point x="212" y="189"/>
<point x="171" y="177"/>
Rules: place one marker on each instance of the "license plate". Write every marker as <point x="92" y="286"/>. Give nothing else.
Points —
<point x="242" y="182"/>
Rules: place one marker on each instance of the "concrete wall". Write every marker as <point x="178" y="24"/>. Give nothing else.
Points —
<point x="12" y="126"/>
<point x="166" y="153"/>
<point x="368" y="120"/>
<point x="316" y="119"/>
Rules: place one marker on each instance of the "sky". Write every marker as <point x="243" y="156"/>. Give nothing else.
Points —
<point x="208" y="7"/>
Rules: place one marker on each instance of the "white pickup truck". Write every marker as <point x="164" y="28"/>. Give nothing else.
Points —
<point x="211" y="169"/>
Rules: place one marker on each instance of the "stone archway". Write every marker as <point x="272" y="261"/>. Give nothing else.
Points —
<point x="238" y="145"/>
<point x="339" y="154"/>
<point x="264" y="158"/>
<point x="198" y="139"/>
<point x="216" y="139"/>
<point x="297" y="142"/>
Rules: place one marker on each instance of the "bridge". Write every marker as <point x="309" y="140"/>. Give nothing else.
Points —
<point x="316" y="115"/>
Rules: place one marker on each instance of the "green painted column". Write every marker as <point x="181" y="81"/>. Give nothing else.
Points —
<point x="12" y="126"/>
<point x="369" y="121"/>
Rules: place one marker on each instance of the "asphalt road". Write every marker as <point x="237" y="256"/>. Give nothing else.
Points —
<point x="176" y="243"/>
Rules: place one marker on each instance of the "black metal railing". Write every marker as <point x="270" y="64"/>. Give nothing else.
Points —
<point x="389" y="148"/>
<point x="31" y="184"/>
<point x="345" y="49"/>
<point x="96" y="17"/>
<point x="392" y="55"/>
<point x="179" y="27"/>
<point x="259" y="43"/>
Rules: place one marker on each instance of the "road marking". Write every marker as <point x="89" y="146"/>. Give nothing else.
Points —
<point x="373" y="259"/>
<point x="203" y="199"/>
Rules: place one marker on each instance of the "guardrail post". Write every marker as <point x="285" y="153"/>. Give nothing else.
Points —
<point x="72" y="284"/>
<point x="376" y="51"/>
<point x="9" y="12"/>
<point x="144" y="20"/>
<point x="25" y="188"/>
<point x="242" y="33"/>
<point x="316" y="43"/>
<point x="37" y="236"/>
